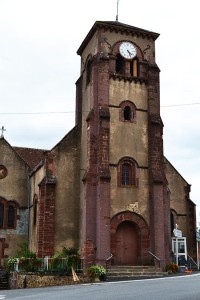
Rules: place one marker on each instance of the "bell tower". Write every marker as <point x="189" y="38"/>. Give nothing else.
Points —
<point x="122" y="164"/>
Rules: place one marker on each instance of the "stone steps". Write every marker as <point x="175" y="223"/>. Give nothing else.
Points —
<point x="123" y="272"/>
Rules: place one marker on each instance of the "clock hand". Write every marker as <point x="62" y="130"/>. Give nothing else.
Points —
<point x="129" y="53"/>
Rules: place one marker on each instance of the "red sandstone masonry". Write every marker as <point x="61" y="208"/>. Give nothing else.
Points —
<point x="159" y="236"/>
<point x="46" y="218"/>
<point x="96" y="182"/>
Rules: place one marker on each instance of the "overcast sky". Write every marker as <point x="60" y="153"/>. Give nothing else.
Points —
<point x="39" y="67"/>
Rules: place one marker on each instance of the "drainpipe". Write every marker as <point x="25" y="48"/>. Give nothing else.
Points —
<point x="28" y="200"/>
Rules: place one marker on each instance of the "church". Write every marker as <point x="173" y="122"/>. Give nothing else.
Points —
<point x="106" y="188"/>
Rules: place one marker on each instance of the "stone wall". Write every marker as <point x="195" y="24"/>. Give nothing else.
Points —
<point x="30" y="280"/>
<point x="13" y="190"/>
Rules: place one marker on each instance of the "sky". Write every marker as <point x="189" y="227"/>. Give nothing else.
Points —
<point x="39" y="67"/>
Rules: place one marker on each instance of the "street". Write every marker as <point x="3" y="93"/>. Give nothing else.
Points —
<point x="173" y="288"/>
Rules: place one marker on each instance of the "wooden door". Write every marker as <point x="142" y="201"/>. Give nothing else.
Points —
<point x="126" y="244"/>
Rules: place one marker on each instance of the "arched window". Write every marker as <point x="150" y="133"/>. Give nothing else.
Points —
<point x="8" y="214"/>
<point x="127" y="112"/>
<point x="125" y="64"/>
<point x="11" y="216"/>
<point x="127" y="67"/>
<point x="1" y="215"/>
<point x="127" y="173"/>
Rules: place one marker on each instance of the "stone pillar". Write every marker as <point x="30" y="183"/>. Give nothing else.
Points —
<point x="96" y="200"/>
<point x="103" y="189"/>
<point x="89" y="196"/>
<point x="157" y="180"/>
<point x="46" y="211"/>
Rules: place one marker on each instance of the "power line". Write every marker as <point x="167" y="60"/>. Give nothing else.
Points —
<point x="37" y="113"/>
<point x="183" y="104"/>
<point x="71" y="112"/>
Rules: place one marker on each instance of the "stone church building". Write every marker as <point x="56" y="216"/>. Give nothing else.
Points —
<point x="106" y="187"/>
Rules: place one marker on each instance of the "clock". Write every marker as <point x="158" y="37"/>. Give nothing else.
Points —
<point x="127" y="50"/>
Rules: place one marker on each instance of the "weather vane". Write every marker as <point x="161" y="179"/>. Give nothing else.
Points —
<point x="117" y="10"/>
<point x="2" y="131"/>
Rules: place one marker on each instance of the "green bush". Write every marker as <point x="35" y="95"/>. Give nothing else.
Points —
<point x="59" y="263"/>
<point x="96" y="271"/>
<point x="27" y="260"/>
<point x="73" y="257"/>
<point x="10" y="264"/>
<point x="30" y="264"/>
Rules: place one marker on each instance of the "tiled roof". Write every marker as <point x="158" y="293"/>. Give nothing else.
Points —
<point x="30" y="155"/>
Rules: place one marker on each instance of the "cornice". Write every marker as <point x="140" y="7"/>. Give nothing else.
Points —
<point x="128" y="78"/>
<point x="118" y="28"/>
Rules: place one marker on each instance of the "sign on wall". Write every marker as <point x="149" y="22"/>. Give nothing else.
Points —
<point x="177" y="233"/>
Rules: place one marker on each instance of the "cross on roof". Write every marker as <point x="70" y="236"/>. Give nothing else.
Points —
<point x="2" y="131"/>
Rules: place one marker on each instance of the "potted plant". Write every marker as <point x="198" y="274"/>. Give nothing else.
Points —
<point x="96" y="272"/>
<point x="171" y="267"/>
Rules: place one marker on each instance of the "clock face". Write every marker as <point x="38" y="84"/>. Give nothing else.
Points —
<point x="127" y="50"/>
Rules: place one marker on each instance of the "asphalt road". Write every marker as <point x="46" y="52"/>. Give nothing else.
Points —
<point x="185" y="287"/>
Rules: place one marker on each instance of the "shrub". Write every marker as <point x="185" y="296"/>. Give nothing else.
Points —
<point x="27" y="260"/>
<point x="30" y="264"/>
<point x="10" y="264"/>
<point x="96" y="271"/>
<point x="69" y="251"/>
<point x="73" y="257"/>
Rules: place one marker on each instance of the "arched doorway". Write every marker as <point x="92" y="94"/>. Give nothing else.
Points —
<point x="130" y="239"/>
<point x="126" y="244"/>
